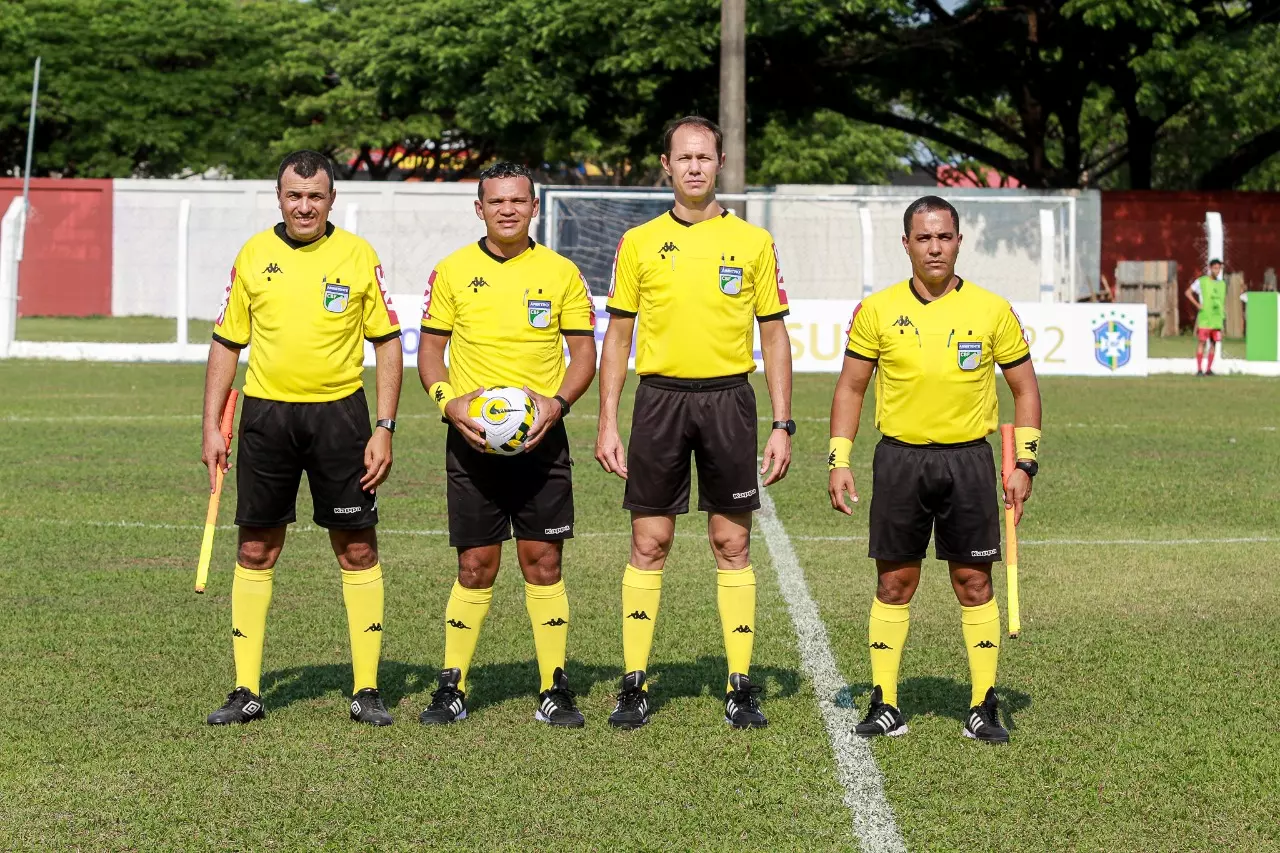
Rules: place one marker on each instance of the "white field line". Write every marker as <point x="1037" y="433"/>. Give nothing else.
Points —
<point x="873" y="822"/>
<point x="1227" y="540"/>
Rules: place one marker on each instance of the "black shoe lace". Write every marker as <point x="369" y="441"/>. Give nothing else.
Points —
<point x="748" y="698"/>
<point x="873" y="710"/>
<point x="563" y="698"/>
<point x="441" y="698"/>
<point x="629" y="700"/>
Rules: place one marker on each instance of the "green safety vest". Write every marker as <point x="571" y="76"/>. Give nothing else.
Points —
<point x="1213" y="303"/>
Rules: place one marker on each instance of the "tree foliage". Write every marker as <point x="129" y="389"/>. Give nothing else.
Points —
<point x="1050" y="93"/>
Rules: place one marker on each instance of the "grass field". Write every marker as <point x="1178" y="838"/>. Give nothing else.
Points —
<point x="1141" y="697"/>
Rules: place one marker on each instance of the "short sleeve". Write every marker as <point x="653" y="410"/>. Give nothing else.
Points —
<point x="624" y="285"/>
<point x="1195" y="287"/>
<point x="437" y="304"/>
<point x="233" y="324"/>
<point x="380" y="320"/>
<point x="864" y="334"/>
<point x="577" y="313"/>
<point x="1010" y="347"/>
<point x="771" y="299"/>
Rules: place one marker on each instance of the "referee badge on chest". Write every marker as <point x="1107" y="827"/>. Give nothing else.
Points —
<point x="969" y="354"/>
<point x="540" y="313"/>
<point x="730" y="280"/>
<point x="335" y="297"/>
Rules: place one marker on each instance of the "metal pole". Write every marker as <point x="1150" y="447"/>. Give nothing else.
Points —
<point x="31" y="135"/>
<point x="733" y="94"/>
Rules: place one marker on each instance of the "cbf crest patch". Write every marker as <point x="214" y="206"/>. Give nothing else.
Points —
<point x="540" y="313"/>
<point x="335" y="297"/>
<point x="730" y="280"/>
<point x="969" y="354"/>
<point x="1113" y="340"/>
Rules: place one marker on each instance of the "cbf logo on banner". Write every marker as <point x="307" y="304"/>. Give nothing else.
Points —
<point x="1113" y="339"/>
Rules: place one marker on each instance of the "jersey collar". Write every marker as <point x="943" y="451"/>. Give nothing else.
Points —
<point x="283" y="234"/>
<point x="686" y="224"/>
<point x="911" y="285"/>
<point x="484" y="247"/>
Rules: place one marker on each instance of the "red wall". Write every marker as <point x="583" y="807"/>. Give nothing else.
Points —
<point x="66" y="266"/>
<point x="1160" y="226"/>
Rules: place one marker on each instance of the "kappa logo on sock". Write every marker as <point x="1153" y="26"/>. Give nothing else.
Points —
<point x="986" y="644"/>
<point x="743" y="629"/>
<point x="637" y="614"/>
<point x="881" y="646"/>
<point x="455" y="623"/>
<point x="235" y="632"/>
<point x="556" y="622"/>
<point x="376" y="626"/>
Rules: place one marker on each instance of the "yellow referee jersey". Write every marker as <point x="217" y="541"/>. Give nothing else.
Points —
<point x="307" y="308"/>
<point x="935" y="382"/>
<point x="505" y="316"/>
<point x="697" y="287"/>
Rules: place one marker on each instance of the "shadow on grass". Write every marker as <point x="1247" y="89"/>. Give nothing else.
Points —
<point x="494" y="683"/>
<point x="943" y="697"/>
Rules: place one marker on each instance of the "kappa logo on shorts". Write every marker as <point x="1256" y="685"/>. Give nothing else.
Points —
<point x="730" y="280"/>
<point x="968" y="354"/>
<point x="552" y="530"/>
<point x="737" y="496"/>
<point x="347" y="510"/>
<point x="336" y="296"/>
<point x="539" y="313"/>
<point x="990" y="552"/>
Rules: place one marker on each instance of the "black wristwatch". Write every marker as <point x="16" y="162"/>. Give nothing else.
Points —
<point x="564" y="405"/>
<point x="386" y="423"/>
<point x="789" y="425"/>
<point x="1031" y="466"/>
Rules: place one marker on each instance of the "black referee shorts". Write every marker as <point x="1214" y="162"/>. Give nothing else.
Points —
<point x="489" y="495"/>
<point x="715" y="420"/>
<point x="278" y="441"/>
<point x="945" y="489"/>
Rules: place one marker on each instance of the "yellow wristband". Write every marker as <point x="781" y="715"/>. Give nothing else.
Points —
<point x="442" y="393"/>
<point x="1027" y="442"/>
<point x="838" y="453"/>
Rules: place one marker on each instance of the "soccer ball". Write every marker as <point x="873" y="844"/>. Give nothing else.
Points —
<point x="506" y="415"/>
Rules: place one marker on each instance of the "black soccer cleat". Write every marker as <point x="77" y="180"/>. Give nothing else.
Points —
<point x="983" y="722"/>
<point x="742" y="703"/>
<point x="448" y="703"/>
<point x="367" y="707"/>
<point x="556" y="707"/>
<point x="632" y="710"/>
<point x="241" y="707"/>
<point x="881" y="719"/>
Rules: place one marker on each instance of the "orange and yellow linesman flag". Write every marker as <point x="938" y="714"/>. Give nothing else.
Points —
<point x="211" y="517"/>
<point x="1007" y="447"/>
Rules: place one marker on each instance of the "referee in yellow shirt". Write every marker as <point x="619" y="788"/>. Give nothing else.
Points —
<point x="305" y="296"/>
<point x="505" y="307"/>
<point x="933" y="343"/>
<point x="698" y="279"/>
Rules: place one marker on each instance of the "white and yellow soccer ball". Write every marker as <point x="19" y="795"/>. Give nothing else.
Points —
<point x="506" y="415"/>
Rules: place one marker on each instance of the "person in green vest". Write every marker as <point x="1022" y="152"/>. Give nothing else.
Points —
<point x="1208" y="294"/>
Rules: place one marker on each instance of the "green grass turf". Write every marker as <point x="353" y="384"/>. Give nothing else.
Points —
<point x="1141" y="695"/>
<point x="143" y="330"/>
<point x="1184" y="346"/>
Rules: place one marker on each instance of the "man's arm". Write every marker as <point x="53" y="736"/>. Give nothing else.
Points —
<point x="775" y="347"/>
<point x="577" y="379"/>
<point x="389" y="357"/>
<point x="846" y="412"/>
<point x="614" y="355"/>
<point x="219" y="373"/>
<point x="1026" y="413"/>
<point x="431" y="370"/>
<point x="1191" y="296"/>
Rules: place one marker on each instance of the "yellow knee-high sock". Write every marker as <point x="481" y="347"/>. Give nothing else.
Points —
<point x="548" y="608"/>
<point x="982" y="641"/>
<point x="736" y="597"/>
<point x="886" y="637"/>
<point x="250" y="599"/>
<point x="641" y="592"/>
<point x="362" y="592"/>
<point x="462" y="620"/>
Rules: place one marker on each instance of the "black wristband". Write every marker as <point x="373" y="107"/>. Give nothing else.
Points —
<point x="564" y="405"/>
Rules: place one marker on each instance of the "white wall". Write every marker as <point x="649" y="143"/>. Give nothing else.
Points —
<point x="411" y="225"/>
